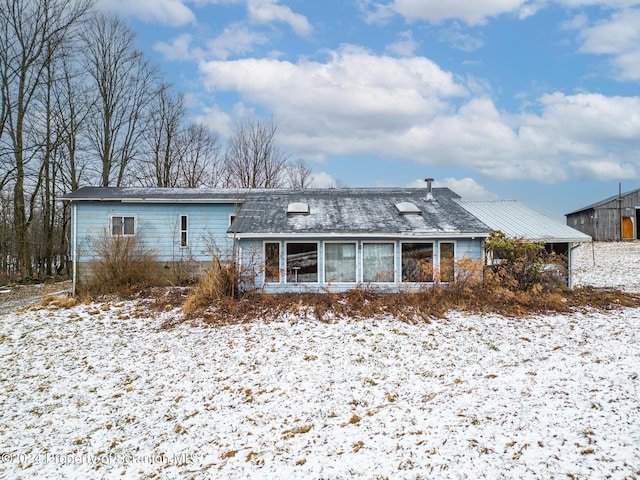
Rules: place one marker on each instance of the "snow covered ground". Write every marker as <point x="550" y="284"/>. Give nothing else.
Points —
<point x="101" y="391"/>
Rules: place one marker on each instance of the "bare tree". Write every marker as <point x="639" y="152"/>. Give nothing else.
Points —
<point x="70" y="110"/>
<point x="32" y="34"/>
<point x="200" y="164"/>
<point x="299" y="174"/>
<point x="160" y="167"/>
<point x="253" y="159"/>
<point x="124" y="83"/>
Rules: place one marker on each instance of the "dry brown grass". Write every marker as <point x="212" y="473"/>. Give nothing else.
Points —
<point x="58" y="302"/>
<point x="219" y="285"/>
<point x="418" y="306"/>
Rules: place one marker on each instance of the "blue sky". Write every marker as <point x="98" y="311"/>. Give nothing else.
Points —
<point x="532" y="100"/>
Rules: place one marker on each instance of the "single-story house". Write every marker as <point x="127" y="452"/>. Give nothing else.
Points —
<point x="292" y="240"/>
<point x="612" y="219"/>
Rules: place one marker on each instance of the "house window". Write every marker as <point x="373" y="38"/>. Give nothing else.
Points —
<point x="340" y="262"/>
<point x="232" y="218"/>
<point x="122" y="226"/>
<point x="377" y="262"/>
<point x="184" y="231"/>
<point x="302" y="262"/>
<point x="417" y="262"/>
<point x="272" y="262"/>
<point x="447" y="261"/>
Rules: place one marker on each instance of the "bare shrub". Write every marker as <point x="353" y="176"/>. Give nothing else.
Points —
<point x="468" y="272"/>
<point x="121" y="265"/>
<point x="220" y="283"/>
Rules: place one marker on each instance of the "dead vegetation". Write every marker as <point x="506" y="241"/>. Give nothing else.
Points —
<point x="519" y="286"/>
<point x="419" y="306"/>
<point x="120" y="265"/>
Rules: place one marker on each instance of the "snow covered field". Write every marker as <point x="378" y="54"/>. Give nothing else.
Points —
<point x="101" y="391"/>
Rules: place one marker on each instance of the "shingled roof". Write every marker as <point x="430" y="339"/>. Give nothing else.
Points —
<point x="362" y="211"/>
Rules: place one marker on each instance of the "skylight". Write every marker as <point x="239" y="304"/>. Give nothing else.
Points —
<point x="407" y="208"/>
<point x="298" y="208"/>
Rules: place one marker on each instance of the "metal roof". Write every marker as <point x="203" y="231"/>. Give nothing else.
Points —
<point x="603" y="202"/>
<point x="362" y="211"/>
<point x="157" y="195"/>
<point x="517" y="221"/>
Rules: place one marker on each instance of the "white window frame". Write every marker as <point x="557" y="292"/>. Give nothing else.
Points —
<point x="232" y="217"/>
<point x="264" y="249"/>
<point x="184" y="231"/>
<point x="433" y="259"/>
<point x="355" y="261"/>
<point x="394" y="263"/>
<point x="286" y="263"/>
<point x="123" y="216"/>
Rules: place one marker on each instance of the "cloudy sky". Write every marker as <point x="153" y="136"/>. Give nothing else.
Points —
<point x="532" y="100"/>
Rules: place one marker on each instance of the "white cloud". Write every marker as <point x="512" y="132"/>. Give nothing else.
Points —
<point x="593" y="117"/>
<point x="459" y="40"/>
<point x="217" y="120"/>
<point x="168" y="12"/>
<point x="324" y="180"/>
<point x="356" y="103"/>
<point x="353" y="87"/>
<point x="605" y="170"/>
<point x="619" y="38"/>
<point x="179" y="49"/>
<point x="268" y="11"/>
<point x="472" y="13"/>
<point x="577" y="22"/>
<point x="404" y="46"/>
<point x="467" y="188"/>
<point x="235" y="39"/>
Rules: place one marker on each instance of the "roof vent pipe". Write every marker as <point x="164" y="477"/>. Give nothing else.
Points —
<point x="429" y="196"/>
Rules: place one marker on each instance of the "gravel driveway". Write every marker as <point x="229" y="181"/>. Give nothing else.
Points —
<point x="19" y="296"/>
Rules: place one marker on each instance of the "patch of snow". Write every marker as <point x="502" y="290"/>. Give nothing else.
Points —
<point x="608" y="265"/>
<point x="101" y="391"/>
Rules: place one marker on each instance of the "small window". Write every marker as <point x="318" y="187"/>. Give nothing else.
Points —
<point x="272" y="262"/>
<point x="407" y="208"/>
<point x="302" y="262"/>
<point x="298" y="208"/>
<point x="122" y="226"/>
<point x="417" y="262"/>
<point x="340" y="262"/>
<point x="184" y="231"/>
<point x="232" y="218"/>
<point x="447" y="261"/>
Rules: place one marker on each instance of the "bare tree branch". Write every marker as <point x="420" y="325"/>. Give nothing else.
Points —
<point x="253" y="159"/>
